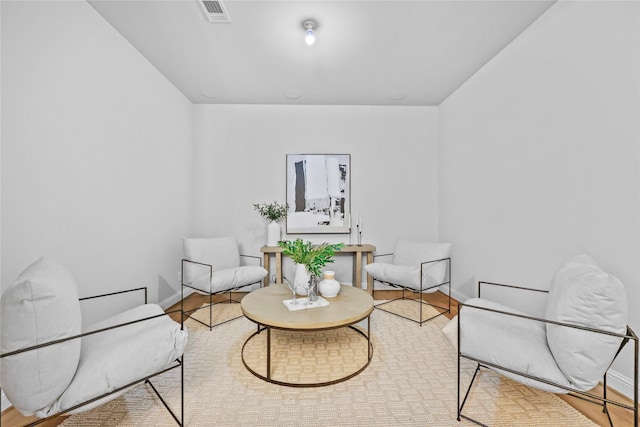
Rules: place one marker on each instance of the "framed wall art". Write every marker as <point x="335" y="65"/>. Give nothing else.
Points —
<point x="319" y="193"/>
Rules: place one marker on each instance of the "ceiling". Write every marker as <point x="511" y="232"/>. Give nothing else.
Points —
<point x="366" y="52"/>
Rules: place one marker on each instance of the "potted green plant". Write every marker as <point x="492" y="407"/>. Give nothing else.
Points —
<point x="309" y="258"/>
<point x="273" y="212"/>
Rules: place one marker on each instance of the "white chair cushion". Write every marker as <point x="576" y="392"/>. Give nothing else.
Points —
<point x="220" y="252"/>
<point x="120" y="356"/>
<point x="41" y="305"/>
<point x="409" y="253"/>
<point x="402" y="275"/>
<point x="512" y="342"/>
<point x="230" y="278"/>
<point x="583" y="294"/>
<point x="450" y="331"/>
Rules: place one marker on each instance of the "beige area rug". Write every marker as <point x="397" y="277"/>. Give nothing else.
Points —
<point x="411" y="381"/>
<point x="410" y="309"/>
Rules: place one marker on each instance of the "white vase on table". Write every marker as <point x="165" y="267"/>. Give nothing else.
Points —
<point x="273" y="233"/>
<point x="301" y="279"/>
<point x="329" y="287"/>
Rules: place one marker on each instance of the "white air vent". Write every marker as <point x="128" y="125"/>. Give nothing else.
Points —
<point x="214" y="11"/>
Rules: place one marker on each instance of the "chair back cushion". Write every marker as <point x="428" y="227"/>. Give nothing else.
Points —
<point x="41" y="305"/>
<point x="583" y="294"/>
<point x="410" y="253"/>
<point x="220" y="252"/>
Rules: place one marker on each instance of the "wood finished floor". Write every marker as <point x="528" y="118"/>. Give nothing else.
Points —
<point x="620" y="417"/>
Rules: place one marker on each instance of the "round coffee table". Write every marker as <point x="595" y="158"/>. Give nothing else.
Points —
<point x="265" y="307"/>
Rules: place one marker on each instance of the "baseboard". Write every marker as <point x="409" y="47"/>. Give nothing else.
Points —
<point x="458" y="296"/>
<point x="620" y="383"/>
<point x="174" y="299"/>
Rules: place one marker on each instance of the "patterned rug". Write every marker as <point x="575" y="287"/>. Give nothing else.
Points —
<point x="411" y="381"/>
<point x="410" y="309"/>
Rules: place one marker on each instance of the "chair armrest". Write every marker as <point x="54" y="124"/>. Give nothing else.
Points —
<point x="74" y="337"/>
<point x="118" y="293"/>
<point x="447" y="274"/>
<point x="629" y="335"/>
<point x="435" y="260"/>
<point x="252" y="256"/>
<point x="510" y="287"/>
<point x="197" y="263"/>
<point x="376" y="256"/>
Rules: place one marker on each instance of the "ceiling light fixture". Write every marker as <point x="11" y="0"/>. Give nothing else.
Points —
<point x="310" y="26"/>
<point x="292" y="94"/>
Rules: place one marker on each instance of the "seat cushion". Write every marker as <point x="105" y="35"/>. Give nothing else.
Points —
<point x="40" y="306"/>
<point x="583" y="294"/>
<point x="450" y="331"/>
<point x="230" y="278"/>
<point x="117" y="357"/>
<point x="410" y="253"/>
<point x="406" y="276"/>
<point x="219" y="252"/>
<point x="511" y="342"/>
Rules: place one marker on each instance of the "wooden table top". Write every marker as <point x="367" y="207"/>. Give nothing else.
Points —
<point x="264" y="306"/>
<point x="346" y="249"/>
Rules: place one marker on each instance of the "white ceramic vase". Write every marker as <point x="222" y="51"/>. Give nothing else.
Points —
<point x="301" y="279"/>
<point x="273" y="233"/>
<point x="329" y="287"/>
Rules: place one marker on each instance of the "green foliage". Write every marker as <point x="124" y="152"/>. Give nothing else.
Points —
<point x="272" y="211"/>
<point x="314" y="257"/>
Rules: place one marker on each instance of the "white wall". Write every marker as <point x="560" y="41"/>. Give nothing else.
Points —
<point x="4" y="402"/>
<point x="539" y="154"/>
<point x="96" y="152"/>
<point x="240" y="159"/>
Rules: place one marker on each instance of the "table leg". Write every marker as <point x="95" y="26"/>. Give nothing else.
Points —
<point x="369" y="277"/>
<point x="266" y="259"/>
<point x="369" y="336"/>
<point x="278" y="267"/>
<point x="268" y="352"/>
<point x="358" y="270"/>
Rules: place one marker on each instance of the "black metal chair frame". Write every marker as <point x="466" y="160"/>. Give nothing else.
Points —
<point x="587" y="396"/>
<point x="178" y="363"/>
<point x="416" y="291"/>
<point x="211" y="294"/>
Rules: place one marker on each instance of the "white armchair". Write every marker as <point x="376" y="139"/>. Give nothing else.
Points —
<point x="417" y="267"/>
<point x="568" y="351"/>
<point x="212" y="266"/>
<point x="50" y="367"/>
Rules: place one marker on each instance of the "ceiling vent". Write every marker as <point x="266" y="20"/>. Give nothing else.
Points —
<point x="214" y="11"/>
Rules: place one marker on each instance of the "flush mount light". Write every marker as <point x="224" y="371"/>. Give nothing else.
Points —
<point x="209" y="93"/>
<point x="292" y="94"/>
<point x="397" y="95"/>
<point x="310" y="26"/>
